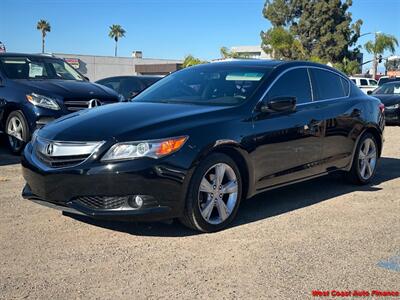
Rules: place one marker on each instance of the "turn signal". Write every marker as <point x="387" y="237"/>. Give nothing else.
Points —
<point x="169" y="146"/>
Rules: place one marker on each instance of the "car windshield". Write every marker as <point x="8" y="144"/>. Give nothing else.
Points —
<point x="389" y="88"/>
<point x="388" y="79"/>
<point x="33" y="68"/>
<point x="207" y="84"/>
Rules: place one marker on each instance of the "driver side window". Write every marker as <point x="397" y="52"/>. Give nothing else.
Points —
<point x="294" y="83"/>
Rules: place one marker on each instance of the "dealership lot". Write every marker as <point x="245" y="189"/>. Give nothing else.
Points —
<point x="319" y="235"/>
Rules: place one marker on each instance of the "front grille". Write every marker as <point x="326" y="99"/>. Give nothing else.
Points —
<point x="102" y="202"/>
<point x="77" y="105"/>
<point x="61" y="161"/>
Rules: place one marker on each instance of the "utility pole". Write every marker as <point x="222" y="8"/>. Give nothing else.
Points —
<point x="374" y="62"/>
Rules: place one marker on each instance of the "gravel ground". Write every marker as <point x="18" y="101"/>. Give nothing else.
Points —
<point x="319" y="235"/>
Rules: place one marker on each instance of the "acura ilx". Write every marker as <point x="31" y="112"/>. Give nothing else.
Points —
<point x="201" y="140"/>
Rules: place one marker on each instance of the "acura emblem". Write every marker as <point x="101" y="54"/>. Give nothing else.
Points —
<point x="49" y="149"/>
<point x="94" y="103"/>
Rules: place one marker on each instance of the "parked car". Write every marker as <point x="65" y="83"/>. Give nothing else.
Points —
<point x="197" y="142"/>
<point x="128" y="86"/>
<point x="40" y="88"/>
<point x="389" y="94"/>
<point x="365" y="84"/>
<point x="2" y="47"/>
<point x="385" y="79"/>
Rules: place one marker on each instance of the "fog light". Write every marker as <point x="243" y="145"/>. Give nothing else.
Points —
<point x="138" y="201"/>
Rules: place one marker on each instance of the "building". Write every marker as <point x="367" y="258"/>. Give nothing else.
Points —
<point x="251" y="52"/>
<point x="98" y="67"/>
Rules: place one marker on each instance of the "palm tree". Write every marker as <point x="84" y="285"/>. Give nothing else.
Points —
<point x="116" y="32"/>
<point x="44" y="27"/>
<point x="382" y="43"/>
<point x="190" y="60"/>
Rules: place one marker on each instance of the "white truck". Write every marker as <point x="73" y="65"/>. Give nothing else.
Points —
<point x="365" y="84"/>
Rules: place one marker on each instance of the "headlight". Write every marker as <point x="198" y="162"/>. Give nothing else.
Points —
<point x="43" y="101"/>
<point x="393" y="106"/>
<point x="153" y="149"/>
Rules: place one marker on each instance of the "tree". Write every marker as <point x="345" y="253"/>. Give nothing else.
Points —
<point x="383" y="42"/>
<point x="44" y="27"/>
<point x="282" y="44"/>
<point x="190" y="60"/>
<point x="226" y="53"/>
<point x="323" y="28"/>
<point x="116" y="32"/>
<point x="348" y="67"/>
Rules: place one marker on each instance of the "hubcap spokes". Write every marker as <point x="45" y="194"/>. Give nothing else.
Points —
<point x="367" y="158"/>
<point x="15" y="131"/>
<point x="218" y="193"/>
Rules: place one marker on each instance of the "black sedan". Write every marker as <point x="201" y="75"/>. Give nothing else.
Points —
<point x="199" y="141"/>
<point x="128" y="86"/>
<point x="389" y="94"/>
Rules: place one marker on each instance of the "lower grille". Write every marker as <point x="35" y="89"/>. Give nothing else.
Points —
<point x="61" y="161"/>
<point x="102" y="202"/>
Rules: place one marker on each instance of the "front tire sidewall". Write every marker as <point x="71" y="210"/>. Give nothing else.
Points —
<point x="25" y="133"/>
<point x="192" y="208"/>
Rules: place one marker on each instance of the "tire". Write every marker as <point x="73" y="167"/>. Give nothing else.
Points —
<point x="359" y="173"/>
<point x="204" y="210"/>
<point x="18" y="138"/>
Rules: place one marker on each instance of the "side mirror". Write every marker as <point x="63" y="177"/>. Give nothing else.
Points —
<point x="279" y="104"/>
<point x="369" y="92"/>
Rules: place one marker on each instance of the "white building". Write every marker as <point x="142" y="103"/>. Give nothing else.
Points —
<point x="251" y="52"/>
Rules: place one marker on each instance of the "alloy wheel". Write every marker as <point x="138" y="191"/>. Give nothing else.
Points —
<point x="367" y="158"/>
<point x="218" y="193"/>
<point x="15" y="132"/>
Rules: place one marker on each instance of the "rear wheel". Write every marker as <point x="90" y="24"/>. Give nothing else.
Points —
<point x="17" y="131"/>
<point x="365" y="160"/>
<point x="214" y="194"/>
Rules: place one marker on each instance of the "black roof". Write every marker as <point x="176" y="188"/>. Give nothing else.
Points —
<point x="38" y="55"/>
<point x="271" y="63"/>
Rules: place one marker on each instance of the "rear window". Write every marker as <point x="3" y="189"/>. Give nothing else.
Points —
<point x="148" y="81"/>
<point x="328" y="85"/>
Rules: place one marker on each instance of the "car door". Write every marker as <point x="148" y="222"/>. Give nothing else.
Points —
<point x="287" y="145"/>
<point x="340" y="115"/>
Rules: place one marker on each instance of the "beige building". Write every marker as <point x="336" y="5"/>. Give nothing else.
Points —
<point x="97" y="67"/>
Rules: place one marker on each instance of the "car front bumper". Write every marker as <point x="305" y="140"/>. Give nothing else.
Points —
<point x="392" y="116"/>
<point x="107" y="191"/>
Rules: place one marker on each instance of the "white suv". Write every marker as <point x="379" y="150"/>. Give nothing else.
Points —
<point x="365" y="84"/>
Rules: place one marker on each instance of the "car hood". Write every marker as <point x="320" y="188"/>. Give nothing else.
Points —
<point x="68" y="88"/>
<point x="388" y="99"/>
<point x="132" y="121"/>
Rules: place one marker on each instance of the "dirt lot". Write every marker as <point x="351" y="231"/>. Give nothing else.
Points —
<point x="322" y="234"/>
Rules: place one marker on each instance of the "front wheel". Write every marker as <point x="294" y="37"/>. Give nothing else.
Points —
<point x="17" y="131"/>
<point x="214" y="194"/>
<point x="365" y="160"/>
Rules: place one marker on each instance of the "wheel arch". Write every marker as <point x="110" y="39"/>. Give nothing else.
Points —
<point x="378" y="135"/>
<point x="240" y="157"/>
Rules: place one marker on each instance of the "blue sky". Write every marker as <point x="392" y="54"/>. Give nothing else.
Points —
<point x="160" y="28"/>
